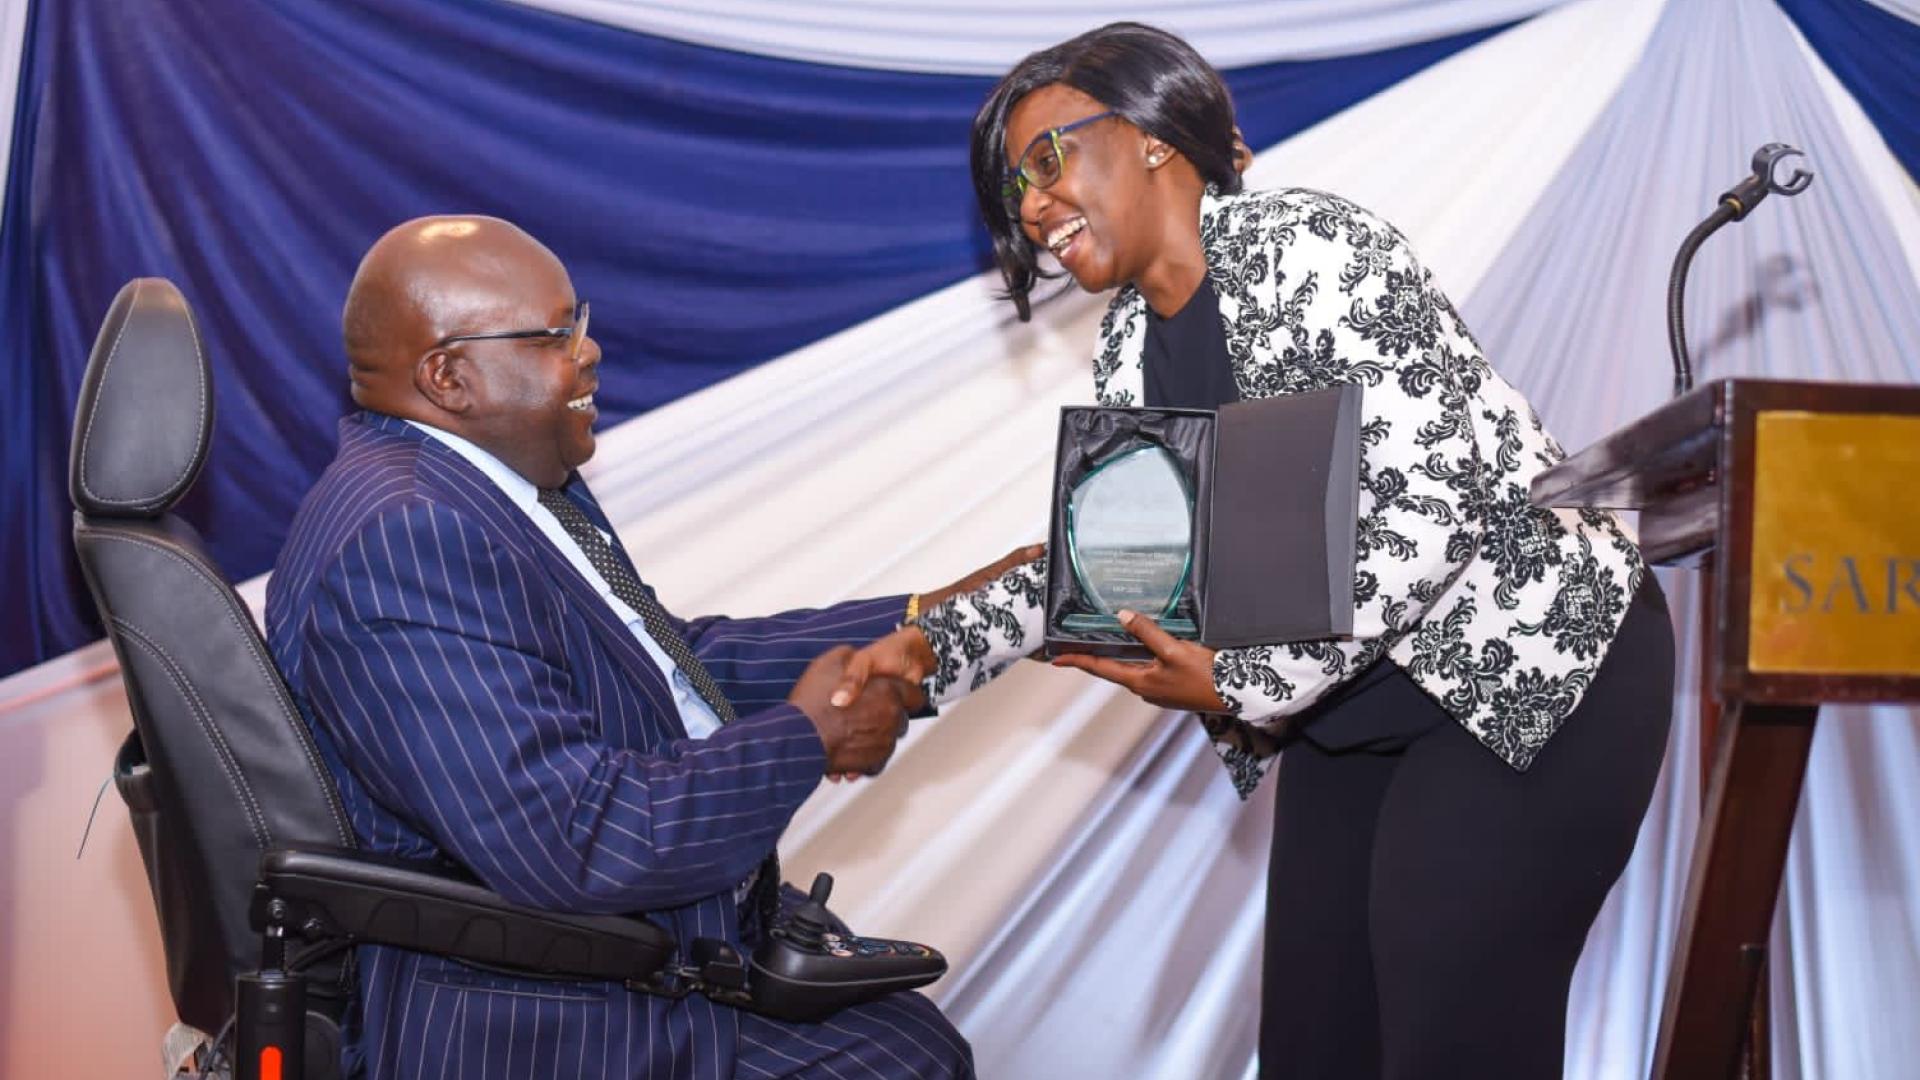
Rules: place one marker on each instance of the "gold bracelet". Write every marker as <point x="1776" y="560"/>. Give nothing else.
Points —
<point x="913" y="608"/>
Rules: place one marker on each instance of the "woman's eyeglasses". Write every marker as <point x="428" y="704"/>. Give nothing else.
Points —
<point x="1041" y="163"/>
<point x="575" y="332"/>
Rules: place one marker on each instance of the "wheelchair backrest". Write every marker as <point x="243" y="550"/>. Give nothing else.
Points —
<point x="220" y="767"/>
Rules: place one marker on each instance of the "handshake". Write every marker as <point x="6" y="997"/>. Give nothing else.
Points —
<point x="859" y="699"/>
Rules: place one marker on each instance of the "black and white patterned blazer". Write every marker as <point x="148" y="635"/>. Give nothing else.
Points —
<point x="1499" y="609"/>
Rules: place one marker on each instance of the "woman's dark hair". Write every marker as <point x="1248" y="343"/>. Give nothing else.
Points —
<point x="1153" y="79"/>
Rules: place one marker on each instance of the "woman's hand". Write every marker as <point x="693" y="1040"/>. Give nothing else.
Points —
<point x="903" y="654"/>
<point x="1180" y="675"/>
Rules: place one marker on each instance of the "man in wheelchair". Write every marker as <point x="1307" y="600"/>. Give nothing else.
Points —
<point x="489" y="682"/>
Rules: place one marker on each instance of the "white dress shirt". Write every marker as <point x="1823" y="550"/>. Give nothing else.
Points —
<point x="695" y="715"/>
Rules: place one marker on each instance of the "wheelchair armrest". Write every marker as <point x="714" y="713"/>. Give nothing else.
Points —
<point x="320" y="894"/>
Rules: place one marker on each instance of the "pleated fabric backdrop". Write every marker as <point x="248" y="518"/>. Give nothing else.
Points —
<point x="1075" y="851"/>
<point x="721" y="208"/>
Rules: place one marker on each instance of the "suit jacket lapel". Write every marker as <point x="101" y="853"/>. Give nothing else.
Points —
<point x="498" y="510"/>
<point x="1123" y="345"/>
<point x="1249" y="347"/>
<point x="614" y="634"/>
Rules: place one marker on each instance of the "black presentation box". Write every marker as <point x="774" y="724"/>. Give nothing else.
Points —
<point x="1275" y="487"/>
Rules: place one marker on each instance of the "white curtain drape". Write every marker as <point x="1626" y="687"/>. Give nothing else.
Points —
<point x="1906" y="9"/>
<point x="986" y="37"/>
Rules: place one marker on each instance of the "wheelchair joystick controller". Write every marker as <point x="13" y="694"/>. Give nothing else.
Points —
<point x="806" y="970"/>
<point x="809" y="924"/>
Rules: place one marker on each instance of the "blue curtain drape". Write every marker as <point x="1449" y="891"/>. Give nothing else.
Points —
<point x="1876" y="55"/>
<point x="719" y="209"/>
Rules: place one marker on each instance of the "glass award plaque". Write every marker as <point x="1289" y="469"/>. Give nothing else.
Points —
<point x="1130" y="540"/>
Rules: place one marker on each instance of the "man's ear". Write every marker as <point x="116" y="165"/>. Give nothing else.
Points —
<point x="443" y="377"/>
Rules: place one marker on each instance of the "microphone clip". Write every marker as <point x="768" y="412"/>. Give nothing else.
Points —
<point x="1745" y="195"/>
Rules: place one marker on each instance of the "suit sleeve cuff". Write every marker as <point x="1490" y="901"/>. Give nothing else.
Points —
<point x="879" y="616"/>
<point x="787" y="740"/>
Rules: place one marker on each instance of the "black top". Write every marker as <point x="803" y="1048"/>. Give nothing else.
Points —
<point x="1186" y="367"/>
<point x="1185" y="356"/>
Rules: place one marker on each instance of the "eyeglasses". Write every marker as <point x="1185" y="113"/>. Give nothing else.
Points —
<point x="1041" y="163"/>
<point x="574" y="332"/>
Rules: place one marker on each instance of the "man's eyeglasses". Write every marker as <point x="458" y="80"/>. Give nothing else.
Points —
<point x="575" y="333"/>
<point x="1041" y="163"/>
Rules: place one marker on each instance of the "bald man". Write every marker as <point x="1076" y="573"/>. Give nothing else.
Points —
<point x="490" y="682"/>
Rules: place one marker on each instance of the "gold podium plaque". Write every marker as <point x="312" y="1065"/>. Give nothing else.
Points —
<point x="1836" y="544"/>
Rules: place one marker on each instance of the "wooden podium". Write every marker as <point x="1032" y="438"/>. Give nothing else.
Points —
<point x="1802" y="501"/>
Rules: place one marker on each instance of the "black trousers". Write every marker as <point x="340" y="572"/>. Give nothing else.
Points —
<point x="1426" y="903"/>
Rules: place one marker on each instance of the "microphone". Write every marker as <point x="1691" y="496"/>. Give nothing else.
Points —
<point x="1735" y="204"/>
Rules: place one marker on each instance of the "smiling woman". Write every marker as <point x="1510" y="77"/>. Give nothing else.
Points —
<point x="1466" y="773"/>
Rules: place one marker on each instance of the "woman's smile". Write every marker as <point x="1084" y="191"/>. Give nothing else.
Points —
<point x="1061" y="236"/>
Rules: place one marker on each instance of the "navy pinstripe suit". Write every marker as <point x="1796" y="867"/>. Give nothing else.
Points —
<point x="476" y="699"/>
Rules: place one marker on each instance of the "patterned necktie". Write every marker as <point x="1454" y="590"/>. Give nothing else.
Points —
<point x="619" y="575"/>
<point x="620" y="578"/>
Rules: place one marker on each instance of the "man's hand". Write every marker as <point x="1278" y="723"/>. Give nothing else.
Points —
<point x="859" y="736"/>
<point x="1019" y="556"/>
<point x="1180" y="675"/>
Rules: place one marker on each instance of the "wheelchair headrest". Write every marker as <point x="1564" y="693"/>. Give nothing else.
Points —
<point x="145" y="416"/>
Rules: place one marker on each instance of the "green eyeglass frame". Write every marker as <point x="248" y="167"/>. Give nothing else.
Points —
<point x="1044" y="170"/>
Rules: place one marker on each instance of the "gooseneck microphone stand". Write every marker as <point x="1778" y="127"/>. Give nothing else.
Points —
<point x="1734" y="205"/>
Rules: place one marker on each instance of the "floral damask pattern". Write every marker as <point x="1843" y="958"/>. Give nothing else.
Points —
<point x="976" y="635"/>
<point x="1500" y="609"/>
